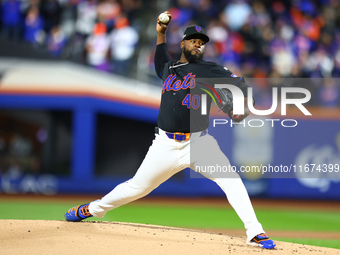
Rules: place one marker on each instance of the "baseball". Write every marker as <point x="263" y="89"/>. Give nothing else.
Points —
<point x="163" y="17"/>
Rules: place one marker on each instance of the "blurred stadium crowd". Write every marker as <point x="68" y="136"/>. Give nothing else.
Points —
<point x="97" y="32"/>
<point x="259" y="39"/>
<point x="298" y="38"/>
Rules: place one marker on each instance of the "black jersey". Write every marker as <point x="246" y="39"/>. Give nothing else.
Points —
<point x="180" y="109"/>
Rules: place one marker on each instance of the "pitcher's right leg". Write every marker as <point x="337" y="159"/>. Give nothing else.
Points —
<point x="159" y="164"/>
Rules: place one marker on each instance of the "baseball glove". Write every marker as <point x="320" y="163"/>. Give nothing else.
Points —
<point x="226" y="104"/>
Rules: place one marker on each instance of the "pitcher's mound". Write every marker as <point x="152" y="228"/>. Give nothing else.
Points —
<point x="98" y="238"/>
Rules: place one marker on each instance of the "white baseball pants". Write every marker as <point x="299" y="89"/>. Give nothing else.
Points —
<point x="167" y="157"/>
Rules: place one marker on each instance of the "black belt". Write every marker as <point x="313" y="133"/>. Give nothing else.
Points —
<point x="179" y="136"/>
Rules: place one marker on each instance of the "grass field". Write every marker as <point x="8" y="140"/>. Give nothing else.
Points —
<point x="198" y="217"/>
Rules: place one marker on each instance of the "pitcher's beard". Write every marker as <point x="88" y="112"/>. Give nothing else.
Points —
<point x="192" y="58"/>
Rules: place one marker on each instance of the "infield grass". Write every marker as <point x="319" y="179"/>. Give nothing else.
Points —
<point x="186" y="216"/>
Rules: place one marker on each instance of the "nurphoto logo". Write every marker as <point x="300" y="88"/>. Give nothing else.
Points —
<point x="238" y="105"/>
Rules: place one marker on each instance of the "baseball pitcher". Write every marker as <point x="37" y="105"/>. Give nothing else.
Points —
<point x="176" y="140"/>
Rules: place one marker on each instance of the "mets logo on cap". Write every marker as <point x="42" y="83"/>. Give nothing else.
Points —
<point x="198" y="29"/>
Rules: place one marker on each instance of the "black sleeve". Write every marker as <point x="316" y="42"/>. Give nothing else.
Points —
<point x="218" y="71"/>
<point x="161" y="58"/>
<point x="223" y="72"/>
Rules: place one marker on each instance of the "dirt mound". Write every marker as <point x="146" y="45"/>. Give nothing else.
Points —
<point x="61" y="237"/>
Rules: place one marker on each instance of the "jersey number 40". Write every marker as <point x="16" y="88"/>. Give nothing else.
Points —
<point x="191" y="101"/>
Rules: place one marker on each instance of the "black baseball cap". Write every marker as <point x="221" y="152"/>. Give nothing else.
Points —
<point x="195" y="32"/>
